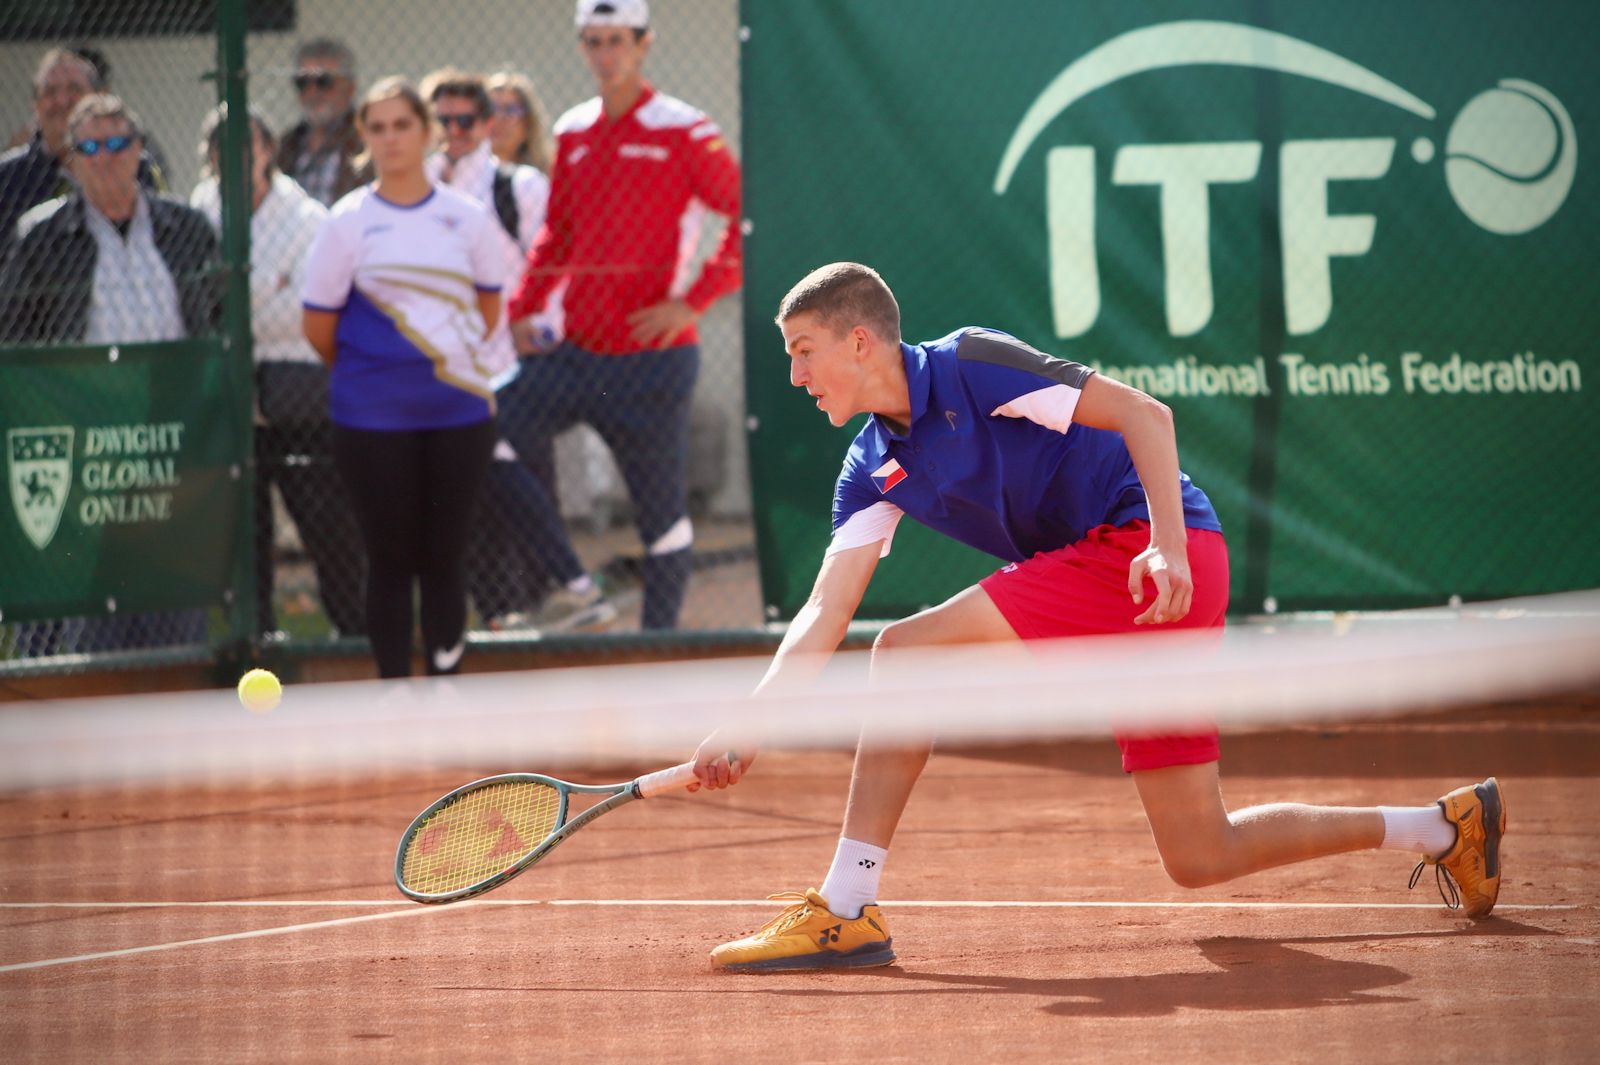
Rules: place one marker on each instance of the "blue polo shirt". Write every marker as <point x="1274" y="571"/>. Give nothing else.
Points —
<point x="992" y="457"/>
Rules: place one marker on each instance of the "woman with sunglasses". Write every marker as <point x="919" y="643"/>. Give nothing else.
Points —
<point x="518" y="127"/>
<point x="402" y="291"/>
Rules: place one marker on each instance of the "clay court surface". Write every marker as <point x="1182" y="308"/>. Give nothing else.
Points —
<point x="1037" y="923"/>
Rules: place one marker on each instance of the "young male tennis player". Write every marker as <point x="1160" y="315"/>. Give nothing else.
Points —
<point x="1073" y="480"/>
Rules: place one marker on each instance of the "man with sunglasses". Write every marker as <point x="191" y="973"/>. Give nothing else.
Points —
<point x="319" y="152"/>
<point x="507" y="574"/>
<point x="33" y="172"/>
<point x="110" y="263"/>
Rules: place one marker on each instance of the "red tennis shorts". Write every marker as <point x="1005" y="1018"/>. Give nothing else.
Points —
<point x="1082" y="590"/>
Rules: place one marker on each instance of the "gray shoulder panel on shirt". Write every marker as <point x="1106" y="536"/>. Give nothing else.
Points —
<point x="996" y="349"/>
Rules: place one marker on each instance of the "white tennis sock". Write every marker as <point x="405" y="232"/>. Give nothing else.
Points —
<point x="853" y="877"/>
<point x="1417" y="828"/>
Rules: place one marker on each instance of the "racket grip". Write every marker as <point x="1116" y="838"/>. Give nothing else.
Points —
<point x="651" y="784"/>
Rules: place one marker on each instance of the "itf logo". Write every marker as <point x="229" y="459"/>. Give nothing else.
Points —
<point x="1509" y="159"/>
<point x="40" y="474"/>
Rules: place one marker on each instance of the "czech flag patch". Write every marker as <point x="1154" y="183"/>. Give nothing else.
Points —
<point x="887" y="476"/>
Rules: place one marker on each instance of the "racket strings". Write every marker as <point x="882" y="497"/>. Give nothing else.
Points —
<point x="484" y="832"/>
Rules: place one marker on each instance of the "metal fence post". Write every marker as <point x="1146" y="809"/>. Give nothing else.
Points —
<point x="232" y="78"/>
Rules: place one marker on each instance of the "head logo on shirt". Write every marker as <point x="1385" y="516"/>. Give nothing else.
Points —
<point x="887" y="476"/>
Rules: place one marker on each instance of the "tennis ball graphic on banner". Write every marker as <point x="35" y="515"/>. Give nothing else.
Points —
<point x="1510" y="157"/>
<point x="259" y="691"/>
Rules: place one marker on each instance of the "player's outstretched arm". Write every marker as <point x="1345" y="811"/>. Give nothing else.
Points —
<point x="815" y="633"/>
<point x="1146" y="427"/>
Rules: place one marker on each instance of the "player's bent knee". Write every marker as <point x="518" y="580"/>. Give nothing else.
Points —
<point x="1191" y="867"/>
<point x="1193" y="875"/>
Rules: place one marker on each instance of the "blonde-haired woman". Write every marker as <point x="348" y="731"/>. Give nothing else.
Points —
<point x="519" y="130"/>
<point x="402" y="288"/>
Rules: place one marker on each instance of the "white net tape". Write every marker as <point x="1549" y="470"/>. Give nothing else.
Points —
<point x="1257" y="675"/>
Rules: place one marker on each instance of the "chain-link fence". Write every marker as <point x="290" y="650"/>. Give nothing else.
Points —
<point x="618" y="495"/>
<point x="1353" y="266"/>
<point x="570" y="415"/>
<point x="1349" y="245"/>
<point x="119" y="398"/>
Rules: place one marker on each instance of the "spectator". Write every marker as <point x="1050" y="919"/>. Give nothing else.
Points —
<point x="32" y="173"/>
<point x="294" y="445"/>
<point x="402" y="293"/>
<point x="504" y="573"/>
<point x="110" y="264"/>
<point x="320" y="151"/>
<point x="518" y="128"/>
<point x="102" y="70"/>
<point x="466" y="161"/>
<point x="632" y="168"/>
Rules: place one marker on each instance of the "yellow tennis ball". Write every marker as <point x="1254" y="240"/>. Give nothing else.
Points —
<point x="259" y="691"/>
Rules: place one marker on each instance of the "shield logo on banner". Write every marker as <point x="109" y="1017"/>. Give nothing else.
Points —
<point x="40" y="474"/>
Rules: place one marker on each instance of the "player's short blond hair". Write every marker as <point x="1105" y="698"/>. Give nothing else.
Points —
<point x="843" y="296"/>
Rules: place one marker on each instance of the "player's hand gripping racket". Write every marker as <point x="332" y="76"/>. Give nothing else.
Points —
<point x="484" y="833"/>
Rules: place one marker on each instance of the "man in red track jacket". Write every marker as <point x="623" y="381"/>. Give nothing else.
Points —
<point x="635" y="172"/>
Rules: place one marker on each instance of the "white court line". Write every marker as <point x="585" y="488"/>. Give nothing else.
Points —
<point x="970" y="904"/>
<point x="283" y="930"/>
<point x="642" y="903"/>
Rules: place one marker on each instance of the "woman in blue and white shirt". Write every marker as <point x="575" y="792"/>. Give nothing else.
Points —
<point x="402" y="288"/>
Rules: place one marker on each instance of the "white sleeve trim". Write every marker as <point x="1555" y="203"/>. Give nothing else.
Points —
<point x="532" y="190"/>
<point x="1050" y="407"/>
<point x="875" y="523"/>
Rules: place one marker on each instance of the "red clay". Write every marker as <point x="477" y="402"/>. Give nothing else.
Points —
<point x="590" y="982"/>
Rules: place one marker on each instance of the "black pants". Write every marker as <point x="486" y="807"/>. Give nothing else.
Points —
<point x="294" y="451"/>
<point x="415" y="494"/>
<point x="640" y="405"/>
<point x="505" y="572"/>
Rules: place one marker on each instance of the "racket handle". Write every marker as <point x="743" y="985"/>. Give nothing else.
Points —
<point x="652" y="784"/>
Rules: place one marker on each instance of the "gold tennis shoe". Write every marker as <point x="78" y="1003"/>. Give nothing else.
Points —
<point x="807" y="936"/>
<point x="1468" y="874"/>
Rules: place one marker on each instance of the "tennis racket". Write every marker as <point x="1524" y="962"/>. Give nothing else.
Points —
<point x="484" y="833"/>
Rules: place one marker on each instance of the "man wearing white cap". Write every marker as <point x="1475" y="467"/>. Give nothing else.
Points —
<point x="634" y="171"/>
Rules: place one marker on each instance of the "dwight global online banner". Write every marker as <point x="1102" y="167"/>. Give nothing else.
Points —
<point x="122" y="480"/>
<point x="1351" y="245"/>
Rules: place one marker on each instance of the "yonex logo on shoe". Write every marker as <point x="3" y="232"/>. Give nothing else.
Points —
<point x="829" y="935"/>
<point x="866" y="863"/>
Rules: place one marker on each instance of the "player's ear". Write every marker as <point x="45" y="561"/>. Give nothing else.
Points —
<point x="861" y="340"/>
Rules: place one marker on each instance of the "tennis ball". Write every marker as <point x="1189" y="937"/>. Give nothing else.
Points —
<point x="259" y="691"/>
<point x="1510" y="157"/>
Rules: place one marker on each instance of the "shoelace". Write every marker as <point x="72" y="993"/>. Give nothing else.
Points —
<point x="796" y="913"/>
<point x="1441" y="876"/>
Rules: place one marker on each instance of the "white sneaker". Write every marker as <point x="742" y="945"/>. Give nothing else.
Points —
<point x="567" y="611"/>
<point x="512" y="621"/>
